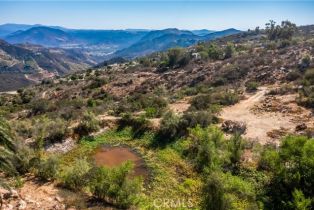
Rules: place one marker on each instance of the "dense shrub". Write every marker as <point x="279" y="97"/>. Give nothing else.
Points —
<point x="293" y="75"/>
<point x="177" y="57"/>
<point x="97" y="82"/>
<point x="251" y="86"/>
<point x="214" y="52"/>
<point x="229" y="51"/>
<point x="169" y="128"/>
<point x="75" y="177"/>
<point x="139" y="125"/>
<point x="204" y="147"/>
<point x="309" y="77"/>
<point x="47" y="169"/>
<point x="292" y="168"/>
<point x="208" y="101"/>
<point x="88" y="124"/>
<point x="57" y="130"/>
<point x="137" y="102"/>
<point x="115" y="185"/>
<point x="201" y="118"/>
<point x="41" y="106"/>
<point x="26" y="95"/>
<point x="236" y="146"/>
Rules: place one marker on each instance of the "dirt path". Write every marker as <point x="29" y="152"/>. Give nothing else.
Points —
<point x="258" y="125"/>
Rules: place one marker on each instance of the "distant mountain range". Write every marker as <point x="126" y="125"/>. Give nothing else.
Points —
<point x="164" y="39"/>
<point x="106" y="44"/>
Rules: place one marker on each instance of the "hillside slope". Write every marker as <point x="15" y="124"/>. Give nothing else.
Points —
<point x="25" y="64"/>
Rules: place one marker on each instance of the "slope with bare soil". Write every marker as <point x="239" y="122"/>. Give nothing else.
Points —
<point x="258" y="125"/>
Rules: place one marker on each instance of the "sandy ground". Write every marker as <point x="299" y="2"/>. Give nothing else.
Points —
<point x="258" y="125"/>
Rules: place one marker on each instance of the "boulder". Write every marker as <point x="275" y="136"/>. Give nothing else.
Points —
<point x="233" y="127"/>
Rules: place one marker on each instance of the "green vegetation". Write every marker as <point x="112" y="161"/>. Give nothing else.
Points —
<point x="292" y="173"/>
<point x="165" y="107"/>
<point x="114" y="185"/>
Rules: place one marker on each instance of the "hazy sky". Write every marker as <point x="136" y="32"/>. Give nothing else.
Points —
<point x="156" y="14"/>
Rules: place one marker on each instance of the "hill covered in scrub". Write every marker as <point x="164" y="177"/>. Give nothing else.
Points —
<point x="21" y="65"/>
<point x="223" y="124"/>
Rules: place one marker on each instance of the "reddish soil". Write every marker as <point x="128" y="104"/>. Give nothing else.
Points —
<point x="115" y="156"/>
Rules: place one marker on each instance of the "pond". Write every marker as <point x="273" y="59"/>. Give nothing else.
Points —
<point x="115" y="156"/>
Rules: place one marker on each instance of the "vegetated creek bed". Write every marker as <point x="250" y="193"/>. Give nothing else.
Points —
<point x="113" y="156"/>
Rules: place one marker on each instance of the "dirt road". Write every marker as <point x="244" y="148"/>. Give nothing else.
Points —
<point x="257" y="125"/>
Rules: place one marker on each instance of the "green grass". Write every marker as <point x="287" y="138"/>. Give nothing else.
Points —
<point x="171" y="177"/>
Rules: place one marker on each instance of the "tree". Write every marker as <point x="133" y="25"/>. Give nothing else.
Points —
<point x="284" y="31"/>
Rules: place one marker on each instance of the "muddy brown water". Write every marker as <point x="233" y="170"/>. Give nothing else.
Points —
<point x="116" y="156"/>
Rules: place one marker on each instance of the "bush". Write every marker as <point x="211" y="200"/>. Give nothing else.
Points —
<point x="42" y="106"/>
<point x="75" y="177"/>
<point x="251" y="86"/>
<point x="57" y="130"/>
<point x="210" y="101"/>
<point x="201" y="118"/>
<point x="139" y="125"/>
<point x="97" y="83"/>
<point x="47" y="169"/>
<point x="229" y="51"/>
<point x="309" y="76"/>
<point x="169" y="128"/>
<point x="293" y="75"/>
<point x="204" y="147"/>
<point x="177" y="57"/>
<point x="236" y="146"/>
<point x="214" y="52"/>
<point x="88" y="124"/>
<point x="292" y="167"/>
<point x="115" y="185"/>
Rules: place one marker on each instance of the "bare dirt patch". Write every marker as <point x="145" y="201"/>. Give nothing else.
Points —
<point x="259" y="125"/>
<point x="180" y="106"/>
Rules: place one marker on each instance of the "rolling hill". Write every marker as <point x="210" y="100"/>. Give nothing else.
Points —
<point x="25" y="64"/>
<point x="107" y="44"/>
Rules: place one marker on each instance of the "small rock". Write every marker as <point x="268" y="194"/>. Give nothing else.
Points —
<point x="59" y="199"/>
<point x="4" y="193"/>
<point x="14" y="194"/>
<point x="22" y="205"/>
<point x="230" y="126"/>
<point x="300" y="127"/>
<point x="8" y="207"/>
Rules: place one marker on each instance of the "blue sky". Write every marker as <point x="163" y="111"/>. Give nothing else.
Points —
<point x="155" y="14"/>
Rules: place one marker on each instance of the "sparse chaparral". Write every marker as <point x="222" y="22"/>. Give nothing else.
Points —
<point x="222" y="123"/>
